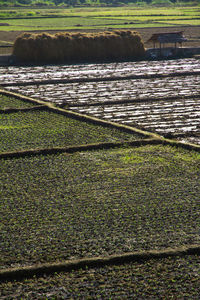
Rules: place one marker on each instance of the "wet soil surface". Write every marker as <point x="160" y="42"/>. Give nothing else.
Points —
<point x="169" y="106"/>
<point x="19" y="75"/>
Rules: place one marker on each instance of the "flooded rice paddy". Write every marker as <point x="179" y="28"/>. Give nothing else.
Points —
<point x="88" y="93"/>
<point x="21" y="74"/>
<point x="169" y="106"/>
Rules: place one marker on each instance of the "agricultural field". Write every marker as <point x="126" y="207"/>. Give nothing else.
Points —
<point x="140" y="193"/>
<point x="13" y="75"/>
<point x="167" y="103"/>
<point x="85" y="204"/>
<point x="164" y="278"/>
<point x="68" y="206"/>
<point x="146" y="21"/>
<point x="97" y="18"/>
<point x="10" y="102"/>
<point x="43" y="129"/>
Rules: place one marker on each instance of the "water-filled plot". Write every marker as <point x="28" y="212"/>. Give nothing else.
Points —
<point x="169" y="106"/>
<point x="20" y="74"/>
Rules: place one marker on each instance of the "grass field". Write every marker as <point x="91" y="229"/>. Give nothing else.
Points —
<point x="97" y="18"/>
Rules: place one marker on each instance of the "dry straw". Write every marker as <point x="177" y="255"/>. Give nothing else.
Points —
<point x="75" y="47"/>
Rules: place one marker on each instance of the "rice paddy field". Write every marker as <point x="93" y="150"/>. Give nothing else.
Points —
<point x="138" y="194"/>
<point x="67" y="206"/>
<point x="94" y="203"/>
<point x="165" y="278"/>
<point x="13" y="75"/>
<point x="162" y="97"/>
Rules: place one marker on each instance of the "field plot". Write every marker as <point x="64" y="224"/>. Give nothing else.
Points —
<point x="97" y="18"/>
<point x="91" y="93"/>
<point x="19" y="75"/>
<point x="178" y="118"/>
<point x="10" y="102"/>
<point x="44" y="129"/>
<point x="97" y="203"/>
<point x="169" y="106"/>
<point x="175" y="277"/>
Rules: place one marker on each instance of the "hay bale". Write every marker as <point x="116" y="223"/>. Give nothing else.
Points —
<point x="76" y="47"/>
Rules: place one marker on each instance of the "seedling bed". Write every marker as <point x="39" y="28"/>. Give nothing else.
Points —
<point x="45" y="129"/>
<point x="10" y="102"/>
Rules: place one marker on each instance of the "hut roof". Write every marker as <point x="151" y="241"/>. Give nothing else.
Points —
<point x="168" y="37"/>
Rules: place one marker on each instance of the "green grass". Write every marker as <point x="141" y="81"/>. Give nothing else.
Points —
<point x="182" y="22"/>
<point x="10" y="102"/>
<point x="89" y="18"/>
<point x="45" y="129"/>
<point x="168" y="278"/>
<point x="97" y="203"/>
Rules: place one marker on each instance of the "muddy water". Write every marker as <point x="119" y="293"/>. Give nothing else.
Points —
<point x="179" y="118"/>
<point x="98" y="92"/>
<point x="26" y="74"/>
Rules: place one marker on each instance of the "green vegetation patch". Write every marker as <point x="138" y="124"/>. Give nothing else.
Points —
<point x="64" y="206"/>
<point x="100" y="17"/>
<point x="168" y="278"/>
<point x="195" y="22"/>
<point x="45" y="129"/>
<point x="10" y="102"/>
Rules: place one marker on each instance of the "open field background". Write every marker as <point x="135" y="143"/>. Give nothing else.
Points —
<point x="145" y="20"/>
<point x="98" y="18"/>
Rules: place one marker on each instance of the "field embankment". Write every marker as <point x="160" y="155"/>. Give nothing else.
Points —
<point x="173" y="277"/>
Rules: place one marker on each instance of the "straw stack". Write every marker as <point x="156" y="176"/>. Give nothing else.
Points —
<point x="76" y="47"/>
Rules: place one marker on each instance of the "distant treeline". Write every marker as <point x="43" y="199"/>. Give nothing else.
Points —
<point x="9" y="3"/>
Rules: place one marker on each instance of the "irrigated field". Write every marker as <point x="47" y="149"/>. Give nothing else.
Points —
<point x="98" y="203"/>
<point x="14" y="75"/>
<point x="163" y="97"/>
<point x="174" y="277"/>
<point x="95" y="201"/>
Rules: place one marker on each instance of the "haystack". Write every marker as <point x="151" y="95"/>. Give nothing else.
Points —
<point x="76" y="47"/>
